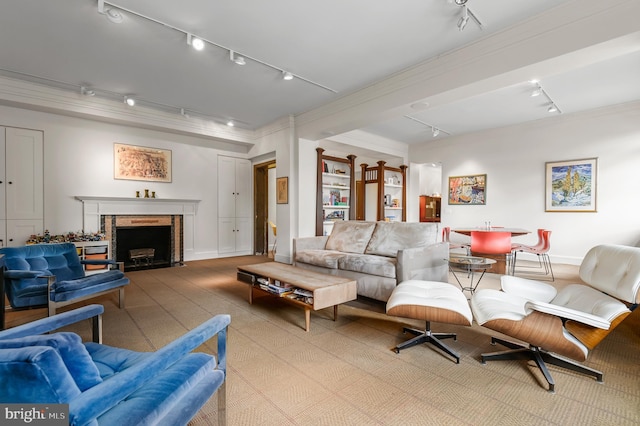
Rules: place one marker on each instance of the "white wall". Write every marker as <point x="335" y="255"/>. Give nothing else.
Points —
<point x="514" y="160"/>
<point x="430" y="179"/>
<point x="78" y="160"/>
<point x="308" y="177"/>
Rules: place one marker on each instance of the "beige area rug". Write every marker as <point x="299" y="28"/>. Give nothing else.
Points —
<point x="344" y="372"/>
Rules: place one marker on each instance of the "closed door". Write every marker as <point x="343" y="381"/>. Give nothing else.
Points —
<point x="24" y="183"/>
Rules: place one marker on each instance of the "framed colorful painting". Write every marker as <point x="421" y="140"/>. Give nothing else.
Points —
<point x="141" y="163"/>
<point x="571" y="185"/>
<point x="467" y="190"/>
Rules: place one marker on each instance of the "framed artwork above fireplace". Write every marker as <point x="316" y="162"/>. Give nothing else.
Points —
<point x="141" y="163"/>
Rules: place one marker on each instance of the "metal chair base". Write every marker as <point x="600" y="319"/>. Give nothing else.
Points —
<point x="540" y="357"/>
<point x="426" y="336"/>
<point x="543" y="260"/>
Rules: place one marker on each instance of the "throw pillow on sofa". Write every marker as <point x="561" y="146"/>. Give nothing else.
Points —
<point x="389" y="237"/>
<point x="73" y="353"/>
<point x="350" y="236"/>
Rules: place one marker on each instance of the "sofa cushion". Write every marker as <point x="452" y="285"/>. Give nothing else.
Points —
<point x="37" y="374"/>
<point x="369" y="264"/>
<point x="324" y="258"/>
<point x="73" y="353"/>
<point x="350" y="236"/>
<point x="389" y="237"/>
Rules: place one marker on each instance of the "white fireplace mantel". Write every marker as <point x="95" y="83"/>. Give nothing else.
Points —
<point x="95" y="207"/>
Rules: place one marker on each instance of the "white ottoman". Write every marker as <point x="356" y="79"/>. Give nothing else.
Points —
<point x="429" y="301"/>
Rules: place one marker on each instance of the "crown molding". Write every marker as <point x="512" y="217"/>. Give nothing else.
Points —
<point x="27" y="95"/>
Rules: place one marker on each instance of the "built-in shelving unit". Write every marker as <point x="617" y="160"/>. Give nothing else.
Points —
<point x="336" y="191"/>
<point x="94" y="250"/>
<point x="391" y="192"/>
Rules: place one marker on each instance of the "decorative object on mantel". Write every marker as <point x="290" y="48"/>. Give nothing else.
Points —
<point x="146" y="193"/>
<point x="141" y="163"/>
<point x="70" y="237"/>
<point x="137" y="194"/>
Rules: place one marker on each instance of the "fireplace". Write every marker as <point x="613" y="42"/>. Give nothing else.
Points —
<point x="145" y="241"/>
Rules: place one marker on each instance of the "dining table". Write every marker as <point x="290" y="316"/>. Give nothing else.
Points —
<point x="500" y="267"/>
<point x="515" y="232"/>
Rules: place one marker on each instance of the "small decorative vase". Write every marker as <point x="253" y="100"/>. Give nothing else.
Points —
<point x="146" y="193"/>
<point x="137" y="194"/>
<point x="153" y="194"/>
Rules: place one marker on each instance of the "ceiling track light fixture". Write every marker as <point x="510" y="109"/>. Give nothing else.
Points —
<point x="538" y="90"/>
<point x="102" y="10"/>
<point x="230" y="123"/>
<point x="195" y="42"/>
<point x="286" y="75"/>
<point x="87" y="92"/>
<point x="435" y="131"/>
<point x="114" y="15"/>
<point x="239" y="60"/>
<point x="464" y="19"/>
<point x="129" y="101"/>
<point x="466" y="15"/>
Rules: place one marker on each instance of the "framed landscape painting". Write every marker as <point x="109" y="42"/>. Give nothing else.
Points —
<point x="467" y="190"/>
<point x="141" y="163"/>
<point x="571" y="185"/>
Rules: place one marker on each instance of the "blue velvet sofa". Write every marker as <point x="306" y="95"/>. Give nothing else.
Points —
<point x="104" y="385"/>
<point x="52" y="275"/>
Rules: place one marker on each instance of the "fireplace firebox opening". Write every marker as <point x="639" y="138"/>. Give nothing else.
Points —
<point x="155" y="238"/>
<point x="145" y="241"/>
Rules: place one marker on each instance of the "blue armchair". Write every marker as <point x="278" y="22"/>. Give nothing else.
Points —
<point x="52" y="275"/>
<point x="104" y="385"/>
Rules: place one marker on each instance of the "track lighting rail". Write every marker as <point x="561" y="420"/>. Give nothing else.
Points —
<point x="191" y="36"/>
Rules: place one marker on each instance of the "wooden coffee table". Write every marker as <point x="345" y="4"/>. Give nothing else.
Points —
<point x="326" y="290"/>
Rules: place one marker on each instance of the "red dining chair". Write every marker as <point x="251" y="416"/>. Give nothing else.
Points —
<point x="541" y="249"/>
<point x="518" y="247"/>
<point x="492" y="242"/>
<point x="446" y="232"/>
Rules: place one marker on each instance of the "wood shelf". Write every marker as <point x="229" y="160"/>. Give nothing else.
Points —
<point x="341" y="183"/>
<point x="377" y="175"/>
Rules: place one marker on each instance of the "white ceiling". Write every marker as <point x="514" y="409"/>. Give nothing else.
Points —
<point x="336" y="49"/>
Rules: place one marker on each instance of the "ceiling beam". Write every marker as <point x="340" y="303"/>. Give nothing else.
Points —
<point x="569" y="36"/>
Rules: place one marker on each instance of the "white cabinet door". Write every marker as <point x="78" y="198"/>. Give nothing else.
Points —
<point x="243" y="234"/>
<point x="235" y="210"/>
<point x="3" y="180"/>
<point x="226" y="235"/>
<point x="243" y="188"/>
<point x="3" y="233"/>
<point x="24" y="174"/>
<point x="234" y="187"/>
<point x="19" y="231"/>
<point x="226" y="186"/>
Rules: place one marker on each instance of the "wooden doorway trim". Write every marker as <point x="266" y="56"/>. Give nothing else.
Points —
<point x="261" y="206"/>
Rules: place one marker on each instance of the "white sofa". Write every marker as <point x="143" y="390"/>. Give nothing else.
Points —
<point x="378" y="255"/>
